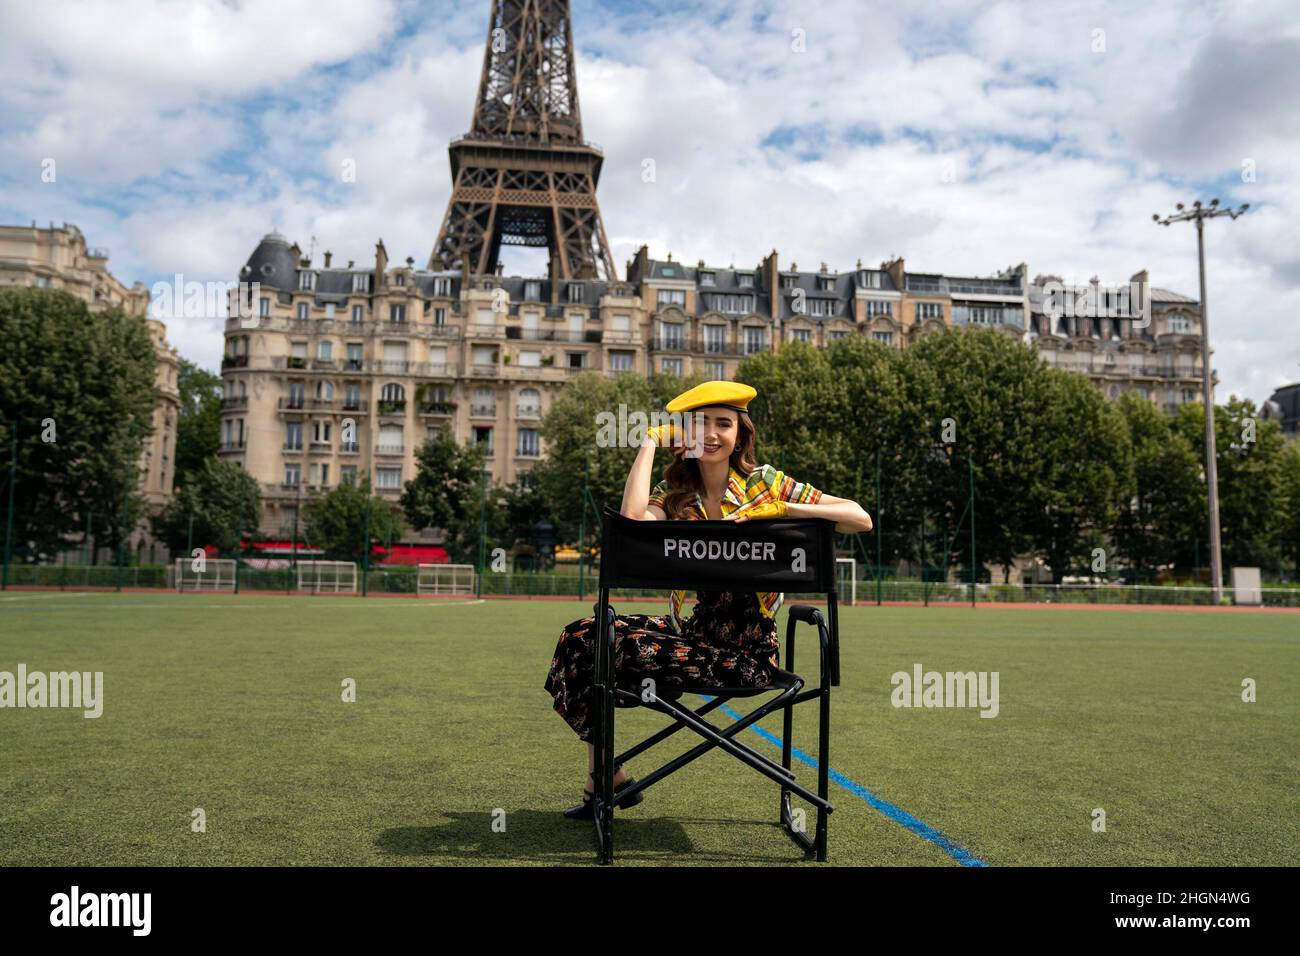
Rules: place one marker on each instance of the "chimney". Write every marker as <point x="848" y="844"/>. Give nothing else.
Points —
<point x="328" y="256"/>
<point x="381" y="265"/>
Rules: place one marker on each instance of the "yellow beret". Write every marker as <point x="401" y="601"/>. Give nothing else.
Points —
<point x="731" y="394"/>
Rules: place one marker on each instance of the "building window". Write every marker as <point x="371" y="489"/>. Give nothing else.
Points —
<point x="837" y="334"/>
<point x="325" y="391"/>
<point x="348" y="475"/>
<point x="800" y="335"/>
<point x="264" y="306"/>
<point x="886" y="338"/>
<point x="296" y="393"/>
<point x="788" y="282"/>
<point x="753" y="340"/>
<point x="670" y="335"/>
<point x="1181" y="324"/>
<point x="293" y="436"/>
<point x="329" y="310"/>
<point x="576" y="359"/>
<point x="671" y="366"/>
<point x="666" y="297"/>
<point x="825" y="283"/>
<point x="320" y="433"/>
<point x="929" y="310"/>
<point x="352" y="397"/>
<point x="575" y="292"/>
<point x="292" y="474"/>
<point x="483" y="438"/>
<point x="361" y="282"/>
<point x="732" y="304"/>
<point x="397" y="313"/>
<point x="303" y="311"/>
<point x="715" y="371"/>
<point x="388" y="478"/>
<point x="533" y="290"/>
<point x="400" y="279"/>
<point x="326" y="351"/>
<point x="527" y="444"/>
<point x="620" y="361"/>
<point x="306" y="281"/>
<point x="715" y="338"/>
<point x="879" y="307"/>
<point x="442" y="287"/>
<point x="439" y="317"/>
<point x="707" y="278"/>
<point x="824" y="307"/>
<point x="745" y="280"/>
<point x="355" y="351"/>
<point x="358" y="314"/>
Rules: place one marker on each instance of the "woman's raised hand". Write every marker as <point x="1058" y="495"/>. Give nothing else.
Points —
<point x="664" y="435"/>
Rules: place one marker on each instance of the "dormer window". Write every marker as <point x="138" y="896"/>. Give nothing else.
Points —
<point x="825" y="283"/>
<point x="442" y="286"/>
<point x="745" y="280"/>
<point x="788" y="282"/>
<point x="706" y="278"/>
<point x="306" y="281"/>
<point x="533" y="290"/>
<point x="575" y="292"/>
<point x="361" y="282"/>
<point x="399" y="279"/>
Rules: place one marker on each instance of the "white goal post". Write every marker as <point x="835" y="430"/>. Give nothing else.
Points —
<point x="846" y="573"/>
<point x="218" y="574"/>
<point x="445" y="579"/>
<point x="327" y="577"/>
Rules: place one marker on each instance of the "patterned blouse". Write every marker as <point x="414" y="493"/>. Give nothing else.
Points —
<point x="765" y="483"/>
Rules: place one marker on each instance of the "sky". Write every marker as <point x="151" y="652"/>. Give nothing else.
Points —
<point x="964" y="136"/>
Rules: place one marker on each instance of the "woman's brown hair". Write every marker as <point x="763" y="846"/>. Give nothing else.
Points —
<point x="683" y="474"/>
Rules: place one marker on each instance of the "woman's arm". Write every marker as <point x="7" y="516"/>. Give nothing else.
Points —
<point x="848" y="515"/>
<point x="636" y="491"/>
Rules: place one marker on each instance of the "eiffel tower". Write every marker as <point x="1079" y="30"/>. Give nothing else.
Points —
<point x="522" y="175"/>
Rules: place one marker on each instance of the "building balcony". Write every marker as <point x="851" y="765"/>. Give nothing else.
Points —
<point x="349" y="448"/>
<point x="234" y="401"/>
<point x="353" y="365"/>
<point x="392" y="366"/>
<point x="355" y="408"/>
<point x="320" y="448"/>
<point x="630" y="338"/>
<point x="323" y="365"/>
<point x="291" y="449"/>
<point x="671" y="343"/>
<point x="438" y="408"/>
<point x="231" y="446"/>
<point x="442" y="331"/>
<point x="475" y="331"/>
<point x="528" y="411"/>
<point x="392" y="406"/>
<point x="390" y="451"/>
<point x="323" y="404"/>
<point x="483" y="371"/>
<point x="438" y="370"/>
<point x="291" y="404"/>
<point x="234" y="361"/>
<point x="385" y="491"/>
<point x="482" y="411"/>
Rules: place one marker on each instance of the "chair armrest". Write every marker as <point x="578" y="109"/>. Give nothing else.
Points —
<point x="830" y="670"/>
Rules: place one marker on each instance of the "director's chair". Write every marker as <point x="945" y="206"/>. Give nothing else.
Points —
<point x="785" y="554"/>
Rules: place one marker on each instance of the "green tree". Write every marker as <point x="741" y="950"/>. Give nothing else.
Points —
<point x="1081" y="468"/>
<point x="1288" y="532"/>
<point x="1160" y="516"/>
<point x="572" y="430"/>
<point x="80" y="387"/>
<point x="1251" y="483"/>
<point x="198" y="429"/>
<point x="336" y="521"/>
<point x="224" y="502"/>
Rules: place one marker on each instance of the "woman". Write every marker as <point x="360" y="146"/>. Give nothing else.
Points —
<point x="730" y="638"/>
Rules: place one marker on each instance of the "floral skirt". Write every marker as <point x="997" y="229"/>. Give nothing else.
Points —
<point x="726" y="642"/>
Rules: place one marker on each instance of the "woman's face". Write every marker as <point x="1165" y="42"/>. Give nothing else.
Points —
<point x="719" y="430"/>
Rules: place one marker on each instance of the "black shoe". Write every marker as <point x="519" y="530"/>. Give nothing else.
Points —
<point x="584" y="811"/>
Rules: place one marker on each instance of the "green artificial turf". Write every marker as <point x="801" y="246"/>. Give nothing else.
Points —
<point x="233" y="704"/>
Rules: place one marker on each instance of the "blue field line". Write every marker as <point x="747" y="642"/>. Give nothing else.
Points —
<point x="897" y="814"/>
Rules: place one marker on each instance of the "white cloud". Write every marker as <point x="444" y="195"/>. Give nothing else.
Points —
<point x="205" y="124"/>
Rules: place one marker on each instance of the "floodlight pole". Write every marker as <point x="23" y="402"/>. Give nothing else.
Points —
<point x="1198" y="214"/>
